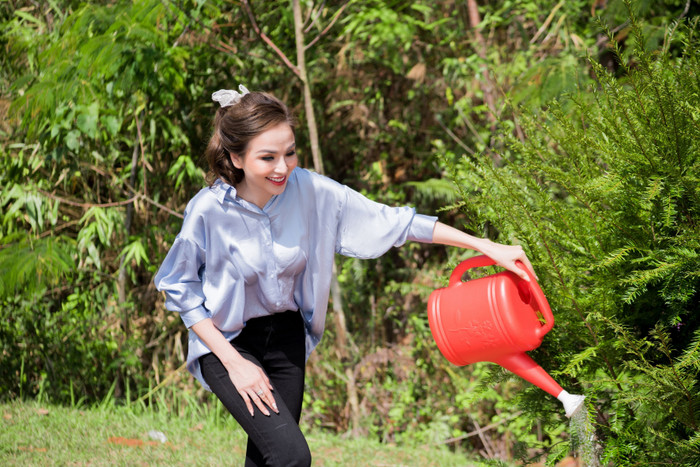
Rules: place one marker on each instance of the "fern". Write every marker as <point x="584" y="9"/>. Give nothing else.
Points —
<point x="29" y="265"/>
<point x="603" y="194"/>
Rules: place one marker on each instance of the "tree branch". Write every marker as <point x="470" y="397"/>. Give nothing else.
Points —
<point x="313" y="17"/>
<point x="88" y="205"/>
<point x="224" y="47"/>
<point x="158" y="205"/>
<point x="267" y="40"/>
<point x="669" y="35"/>
<point x="330" y="25"/>
<point x="111" y="205"/>
<point x="454" y="137"/>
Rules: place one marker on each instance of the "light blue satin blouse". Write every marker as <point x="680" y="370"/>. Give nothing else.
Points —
<point x="233" y="261"/>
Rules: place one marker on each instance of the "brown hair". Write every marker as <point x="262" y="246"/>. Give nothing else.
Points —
<point x="235" y="126"/>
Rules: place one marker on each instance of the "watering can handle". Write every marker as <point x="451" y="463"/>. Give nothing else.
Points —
<point x="541" y="300"/>
<point x="473" y="262"/>
<point x="542" y="303"/>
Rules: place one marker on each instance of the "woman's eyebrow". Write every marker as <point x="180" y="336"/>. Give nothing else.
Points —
<point x="268" y="151"/>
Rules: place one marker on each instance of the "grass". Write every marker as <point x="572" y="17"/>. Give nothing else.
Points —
<point x="34" y="434"/>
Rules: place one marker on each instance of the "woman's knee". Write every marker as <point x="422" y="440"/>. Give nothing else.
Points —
<point x="302" y="456"/>
<point x="297" y="454"/>
<point x="293" y="454"/>
<point x="284" y="446"/>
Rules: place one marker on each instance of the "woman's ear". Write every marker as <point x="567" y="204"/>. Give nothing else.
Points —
<point x="236" y="161"/>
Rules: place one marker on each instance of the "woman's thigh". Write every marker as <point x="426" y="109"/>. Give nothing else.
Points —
<point x="284" y="359"/>
<point x="277" y="437"/>
<point x="276" y="343"/>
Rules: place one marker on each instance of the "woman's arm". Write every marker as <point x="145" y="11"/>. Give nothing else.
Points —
<point x="247" y="377"/>
<point x="503" y="255"/>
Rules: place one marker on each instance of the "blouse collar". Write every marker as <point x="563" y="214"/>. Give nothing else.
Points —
<point x="221" y="189"/>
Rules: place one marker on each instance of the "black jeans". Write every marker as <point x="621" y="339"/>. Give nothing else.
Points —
<point x="276" y="343"/>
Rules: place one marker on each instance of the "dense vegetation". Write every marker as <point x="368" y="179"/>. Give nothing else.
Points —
<point x="571" y="128"/>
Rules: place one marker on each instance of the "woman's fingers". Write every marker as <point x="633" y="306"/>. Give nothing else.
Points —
<point x="257" y="396"/>
<point x="528" y="264"/>
<point x="246" y="399"/>
<point x="264" y="392"/>
<point x="522" y="257"/>
<point x="254" y="387"/>
<point x="518" y="254"/>
<point x="263" y="397"/>
<point x="269" y="398"/>
<point x="251" y="397"/>
<point x="260" y="394"/>
<point x="508" y="257"/>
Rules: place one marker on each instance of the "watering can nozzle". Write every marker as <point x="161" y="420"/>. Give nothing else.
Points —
<point x="572" y="402"/>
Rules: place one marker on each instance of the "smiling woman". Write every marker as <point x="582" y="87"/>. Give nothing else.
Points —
<point x="250" y="271"/>
<point x="269" y="160"/>
<point x="241" y="121"/>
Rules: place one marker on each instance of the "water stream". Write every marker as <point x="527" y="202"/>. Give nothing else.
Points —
<point x="583" y="440"/>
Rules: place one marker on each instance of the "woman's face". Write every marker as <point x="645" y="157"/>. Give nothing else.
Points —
<point x="267" y="163"/>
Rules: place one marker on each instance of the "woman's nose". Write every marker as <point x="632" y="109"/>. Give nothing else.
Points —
<point x="281" y="165"/>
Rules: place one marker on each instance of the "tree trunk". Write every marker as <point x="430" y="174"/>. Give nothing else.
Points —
<point x="343" y="338"/>
<point x="308" y="102"/>
<point x="487" y="85"/>
<point x="121" y="278"/>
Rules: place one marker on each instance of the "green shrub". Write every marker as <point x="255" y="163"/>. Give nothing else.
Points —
<point x="605" y="197"/>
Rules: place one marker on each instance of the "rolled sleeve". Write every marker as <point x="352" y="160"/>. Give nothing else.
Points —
<point x="180" y="278"/>
<point x="422" y="228"/>
<point x="194" y="316"/>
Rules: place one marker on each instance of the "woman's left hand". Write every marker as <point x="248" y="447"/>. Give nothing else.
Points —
<point x="504" y="255"/>
<point x="507" y="256"/>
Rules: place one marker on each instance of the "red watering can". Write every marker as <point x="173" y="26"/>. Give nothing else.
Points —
<point x="495" y="319"/>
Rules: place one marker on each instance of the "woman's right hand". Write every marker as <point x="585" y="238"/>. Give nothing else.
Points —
<point x="252" y="384"/>
<point x="250" y="380"/>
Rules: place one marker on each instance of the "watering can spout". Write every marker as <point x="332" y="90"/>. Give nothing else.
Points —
<point x="525" y="367"/>
<point x="572" y="402"/>
<point x="522" y="365"/>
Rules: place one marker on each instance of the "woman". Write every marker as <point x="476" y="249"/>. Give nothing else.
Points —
<point x="250" y="271"/>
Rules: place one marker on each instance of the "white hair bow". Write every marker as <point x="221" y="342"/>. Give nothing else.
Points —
<point x="226" y="97"/>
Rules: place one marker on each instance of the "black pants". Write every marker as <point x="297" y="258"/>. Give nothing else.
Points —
<point x="276" y="343"/>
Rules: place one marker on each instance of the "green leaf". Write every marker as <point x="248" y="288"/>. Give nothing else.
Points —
<point x="28" y="264"/>
<point x="135" y="251"/>
<point x="112" y="124"/>
<point x="87" y="120"/>
<point x="73" y="140"/>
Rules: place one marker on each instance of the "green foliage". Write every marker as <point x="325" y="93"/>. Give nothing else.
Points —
<point x="603" y="192"/>
<point x="104" y="116"/>
<point x="100" y="96"/>
<point x="382" y="26"/>
<point x="59" y="351"/>
<point x="30" y="263"/>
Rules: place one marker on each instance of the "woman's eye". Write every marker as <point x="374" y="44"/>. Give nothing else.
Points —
<point x="291" y="153"/>
<point x="268" y="158"/>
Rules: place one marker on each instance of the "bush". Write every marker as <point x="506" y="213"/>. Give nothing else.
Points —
<point x="603" y="192"/>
